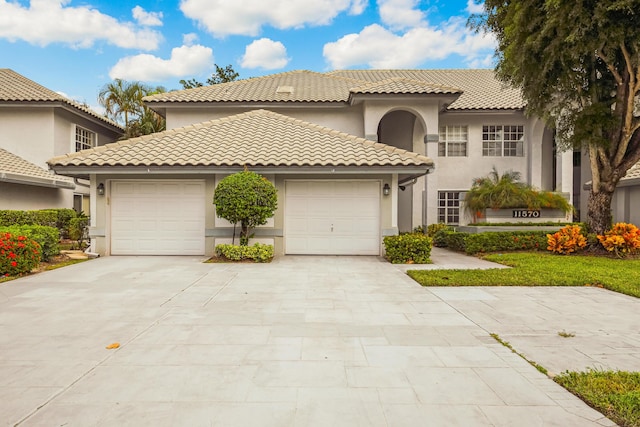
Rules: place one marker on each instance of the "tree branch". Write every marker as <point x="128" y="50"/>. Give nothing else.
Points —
<point x="614" y="71"/>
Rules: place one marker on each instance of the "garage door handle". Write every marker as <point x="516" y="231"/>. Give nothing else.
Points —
<point x="332" y="228"/>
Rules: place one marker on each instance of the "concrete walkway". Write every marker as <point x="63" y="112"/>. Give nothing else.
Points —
<point x="303" y="341"/>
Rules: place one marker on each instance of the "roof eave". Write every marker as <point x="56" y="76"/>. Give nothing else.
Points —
<point x="86" y="171"/>
<point x="446" y="98"/>
<point x="37" y="181"/>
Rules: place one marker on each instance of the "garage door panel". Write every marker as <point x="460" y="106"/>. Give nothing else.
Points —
<point x="332" y="217"/>
<point x="157" y="218"/>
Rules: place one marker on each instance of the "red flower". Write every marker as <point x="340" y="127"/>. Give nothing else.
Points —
<point x="14" y="264"/>
<point x="12" y="255"/>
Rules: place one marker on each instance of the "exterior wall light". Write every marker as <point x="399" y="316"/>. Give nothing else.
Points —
<point x="100" y="189"/>
<point x="386" y="189"/>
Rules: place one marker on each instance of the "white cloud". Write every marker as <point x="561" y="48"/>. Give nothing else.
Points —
<point x="358" y="6"/>
<point x="265" y="53"/>
<point x="377" y="47"/>
<point x="247" y="17"/>
<point x="149" y="19"/>
<point x="185" y="61"/>
<point x="475" y="8"/>
<point x="189" y="39"/>
<point x="400" y="14"/>
<point x="51" y="21"/>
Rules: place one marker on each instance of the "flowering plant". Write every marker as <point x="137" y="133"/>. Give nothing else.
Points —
<point x="622" y="239"/>
<point x="18" y="254"/>
<point x="567" y="240"/>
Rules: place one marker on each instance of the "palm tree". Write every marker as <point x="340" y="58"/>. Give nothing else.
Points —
<point x="122" y="99"/>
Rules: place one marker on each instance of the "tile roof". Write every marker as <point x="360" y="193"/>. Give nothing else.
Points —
<point x="632" y="173"/>
<point x="404" y="86"/>
<point x="478" y="89"/>
<point x="15" y="87"/>
<point x="17" y="170"/>
<point x="293" y="86"/>
<point x="258" y="138"/>
<point x="481" y="89"/>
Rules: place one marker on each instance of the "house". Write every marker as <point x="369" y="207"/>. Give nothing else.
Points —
<point x="355" y="155"/>
<point x="625" y="205"/>
<point x="36" y="124"/>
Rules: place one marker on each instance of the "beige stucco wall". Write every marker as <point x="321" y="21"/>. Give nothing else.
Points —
<point x="625" y="205"/>
<point x="343" y="118"/>
<point x="27" y="132"/>
<point x="30" y="197"/>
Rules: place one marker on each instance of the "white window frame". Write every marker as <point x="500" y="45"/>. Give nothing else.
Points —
<point x="84" y="139"/>
<point x="449" y="203"/>
<point x="503" y="141"/>
<point x="453" y="141"/>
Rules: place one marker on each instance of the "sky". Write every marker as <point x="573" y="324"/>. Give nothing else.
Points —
<point x="76" y="47"/>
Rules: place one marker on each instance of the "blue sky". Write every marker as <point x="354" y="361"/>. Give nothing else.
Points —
<point x="75" y="47"/>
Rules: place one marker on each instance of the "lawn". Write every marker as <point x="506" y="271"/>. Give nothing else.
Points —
<point x="543" y="269"/>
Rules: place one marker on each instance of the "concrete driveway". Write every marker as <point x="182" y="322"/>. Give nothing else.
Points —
<point x="303" y="341"/>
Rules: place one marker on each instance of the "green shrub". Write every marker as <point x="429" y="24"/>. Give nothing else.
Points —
<point x="78" y="230"/>
<point x="432" y="229"/>
<point x="454" y="240"/>
<point x="412" y="248"/>
<point x="58" y="218"/>
<point x="473" y="243"/>
<point x="46" y="237"/>
<point x="440" y="237"/>
<point x="256" y="252"/>
<point x="18" y="254"/>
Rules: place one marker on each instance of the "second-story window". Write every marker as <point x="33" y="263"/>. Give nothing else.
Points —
<point x="503" y="140"/>
<point x="84" y="139"/>
<point x="453" y="141"/>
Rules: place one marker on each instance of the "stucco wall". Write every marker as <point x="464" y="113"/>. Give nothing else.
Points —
<point x="27" y="132"/>
<point x="29" y="197"/>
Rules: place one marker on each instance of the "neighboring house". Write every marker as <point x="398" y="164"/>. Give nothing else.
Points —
<point x="36" y="124"/>
<point x="626" y="200"/>
<point x="352" y="154"/>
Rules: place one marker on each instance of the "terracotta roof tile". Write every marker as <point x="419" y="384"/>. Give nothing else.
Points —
<point x="481" y="89"/>
<point x="293" y="86"/>
<point x="15" y="169"/>
<point x="404" y="86"/>
<point x="257" y="138"/>
<point x="15" y="87"/>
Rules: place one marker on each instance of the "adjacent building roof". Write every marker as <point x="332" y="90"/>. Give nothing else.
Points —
<point x="15" y="87"/>
<point x="477" y="89"/>
<point x="481" y="90"/>
<point x="256" y="139"/>
<point x="632" y="177"/>
<point x="17" y="170"/>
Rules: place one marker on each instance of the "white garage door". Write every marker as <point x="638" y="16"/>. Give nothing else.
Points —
<point x="332" y="217"/>
<point x="157" y="217"/>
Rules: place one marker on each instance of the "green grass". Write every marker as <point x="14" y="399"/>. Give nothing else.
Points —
<point x="543" y="269"/>
<point x="513" y="350"/>
<point x="616" y="394"/>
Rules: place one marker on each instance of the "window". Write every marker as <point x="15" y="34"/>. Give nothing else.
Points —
<point x="449" y="207"/>
<point x="84" y="139"/>
<point x="453" y="141"/>
<point x="499" y="140"/>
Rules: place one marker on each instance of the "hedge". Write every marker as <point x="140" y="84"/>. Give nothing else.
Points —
<point x="58" y="218"/>
<point x="256" y="252"/>
<point x="46" y="237"/>
<point x="410" y="248"/>
<point x="473" y="243"/>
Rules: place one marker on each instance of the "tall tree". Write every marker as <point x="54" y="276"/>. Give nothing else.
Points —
<point x="221" y="75"/>
<point x="122" y="101"/>
<point x="578" y="65"/>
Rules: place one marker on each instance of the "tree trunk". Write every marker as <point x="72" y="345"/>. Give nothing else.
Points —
<point x="599" y="211"/>
<point x="244" y="234"/>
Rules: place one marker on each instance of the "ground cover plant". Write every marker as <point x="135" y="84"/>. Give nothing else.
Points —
<point x="616" y="394"/>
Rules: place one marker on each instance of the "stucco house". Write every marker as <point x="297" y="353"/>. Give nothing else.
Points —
<point x="36" y="124"/>
<point x="355" y="155"/>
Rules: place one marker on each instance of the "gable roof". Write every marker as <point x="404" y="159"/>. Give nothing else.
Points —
<point x="481" y="90"/>
<point x="474" y="89"/>
<point x="256" y="139"/>
<point x="17" y="170"/>
<point x="292" y="86"/>
<point x="16" y="88"/>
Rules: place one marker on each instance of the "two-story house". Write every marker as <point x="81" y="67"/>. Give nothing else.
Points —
<point x="36" y="124"/>
<point x="355" y="155"/>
